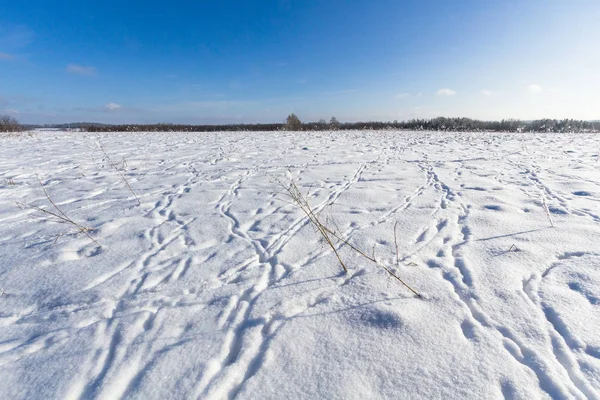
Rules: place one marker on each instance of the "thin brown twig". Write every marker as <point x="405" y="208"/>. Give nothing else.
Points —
<point x="118" y="171"/>
<point x="58" y="237"/>
<point x="401" y="281"/>
<point x="59" y="215"/>
<point x="294" y="192"/>
<point x="323" y="230"/>
<point x="55" y="206"/>
<point x="375" y="261"/>
<point x="547" y="210"/>
<point x="359" y="251"/>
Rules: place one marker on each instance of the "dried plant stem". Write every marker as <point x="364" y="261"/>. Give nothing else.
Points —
<point x="294" y="192"/>
<point x="401" y="281"/>
<point x="547" y="210"/>
<point x="119" y="172"/>
<point x="372" y="259"/>
<point x="59" y="215"/>
<point x="356" y="249"/>
<point x="301" y="202"/>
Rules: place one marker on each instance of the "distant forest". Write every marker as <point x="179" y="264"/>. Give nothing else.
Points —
<point x="293" y="123"/>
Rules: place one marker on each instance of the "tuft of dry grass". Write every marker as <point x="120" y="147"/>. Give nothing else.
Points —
<point x="294" y="193"/>
<point x="58" y="215"/>
<point x="300" y="200"/>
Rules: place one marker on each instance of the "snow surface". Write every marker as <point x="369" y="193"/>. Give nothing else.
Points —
<point x="216" y="287"/>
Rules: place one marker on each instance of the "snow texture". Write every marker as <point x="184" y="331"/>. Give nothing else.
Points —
<point x="216" y="287"/>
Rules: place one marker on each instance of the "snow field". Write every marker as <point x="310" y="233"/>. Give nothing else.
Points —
<point x="216" y="287"/>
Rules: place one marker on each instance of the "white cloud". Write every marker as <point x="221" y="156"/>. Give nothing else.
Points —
<point x="446" y="92"/>
<point x="81" y="70"/>
<point x="112" y="106"/>
<point x="401" y="95"/>
<point x="487" y="93"/>
<point x="6" y="56"/>
<point x="11" y="111"/>
<point x="534" y="88"/>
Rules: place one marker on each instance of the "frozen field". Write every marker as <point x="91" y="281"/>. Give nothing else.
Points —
<point x="216" y="287"/>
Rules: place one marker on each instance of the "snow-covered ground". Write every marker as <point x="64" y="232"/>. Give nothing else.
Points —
<point x="217" y="287"/>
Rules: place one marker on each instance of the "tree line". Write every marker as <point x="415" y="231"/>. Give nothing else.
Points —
<point x="293" y="123"/>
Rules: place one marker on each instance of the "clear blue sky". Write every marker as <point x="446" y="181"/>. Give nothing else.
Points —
<point x="257" y="61"/>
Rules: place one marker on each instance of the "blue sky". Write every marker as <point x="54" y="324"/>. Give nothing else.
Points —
<point x="257" y="61"/>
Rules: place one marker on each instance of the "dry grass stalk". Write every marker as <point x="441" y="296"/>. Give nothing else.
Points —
<point x="119" y="171"/>
<point x="547" y="210"/>
<point x="374" y="260"/>
<point x="59" y="215"/>
<point x="300" y="200"/>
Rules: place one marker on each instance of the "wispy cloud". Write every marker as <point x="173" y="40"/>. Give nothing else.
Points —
<point x="199" y="105"/>
<point x="81" y="70"/>
<point x="16" y="101"/>
<point x="112" y="106"/>
<point x="340" y="92"/>
<point x="534" y="88"/>
<point x="15" y="37"/>
<point x="401" y="95"/>
<point x="446" y="92"/>
<point x="6" y="56"/>
<point x="487" y="93"/>
<point x="214" y="107"/>
<point x="11" y="111"/>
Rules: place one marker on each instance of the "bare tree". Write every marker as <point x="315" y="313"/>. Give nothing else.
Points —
<point x="334" y="124"/>
<point x="9" y="124"/>
<point x="292" y="123"/>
